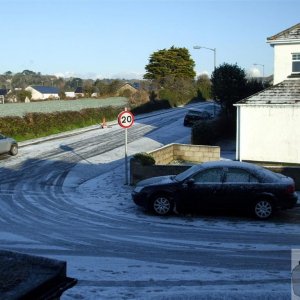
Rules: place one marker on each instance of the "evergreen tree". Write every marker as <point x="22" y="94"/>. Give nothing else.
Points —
<point x="173" y="63"/>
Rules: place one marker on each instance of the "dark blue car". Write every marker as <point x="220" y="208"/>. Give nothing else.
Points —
<point x="219" y="185"/>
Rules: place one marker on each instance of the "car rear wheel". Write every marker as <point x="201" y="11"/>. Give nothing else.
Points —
<point x="263" y="209"/>
<point x="162" y="205"/>
<point x="13" y="150"/>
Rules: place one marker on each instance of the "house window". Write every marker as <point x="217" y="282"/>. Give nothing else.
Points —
<point x="296" y="63"/>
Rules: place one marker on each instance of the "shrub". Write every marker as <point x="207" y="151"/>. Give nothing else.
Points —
<point x="144" y="158"/>
<point x="210" y="131"/>
<point x="151" y="106"/>
<point x="204" y="133"/>
<point x="34" y="125"/>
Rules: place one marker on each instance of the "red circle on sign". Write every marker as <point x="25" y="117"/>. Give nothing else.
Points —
<point x="125" y="119"/>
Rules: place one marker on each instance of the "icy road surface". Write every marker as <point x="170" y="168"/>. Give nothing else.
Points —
<point x="66" y="199"/>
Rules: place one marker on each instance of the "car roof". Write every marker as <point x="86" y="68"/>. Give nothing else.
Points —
<point x="197" y="111"/>
<point x="258" y="170"/>
<point x="230" y="164"/>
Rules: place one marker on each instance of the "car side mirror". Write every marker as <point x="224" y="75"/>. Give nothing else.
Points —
<point x="190" y="182"/>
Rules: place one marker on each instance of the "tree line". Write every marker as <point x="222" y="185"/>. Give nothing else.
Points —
<point x="170" y="76"/>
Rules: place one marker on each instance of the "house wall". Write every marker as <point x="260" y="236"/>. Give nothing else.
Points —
<point x="36" y="95"/>
<point x="283" y="60"/>
<point x="126" y="87"/>
<point x="269" y="133"/>
<point x="70" y="94"/>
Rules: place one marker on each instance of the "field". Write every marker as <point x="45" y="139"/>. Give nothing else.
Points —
<point x="20" y="109"/>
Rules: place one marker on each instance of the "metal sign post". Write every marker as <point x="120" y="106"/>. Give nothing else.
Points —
<point x="126" y="158"/>
<point x="126" y="120"/>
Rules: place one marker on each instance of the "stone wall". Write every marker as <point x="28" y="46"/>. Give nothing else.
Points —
<point x="196" y="153"/>
<point x="165" y="155"/>
<point x="185" y="152"/>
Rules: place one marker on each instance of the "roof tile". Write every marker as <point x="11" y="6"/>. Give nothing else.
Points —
<point x="285" y="92"/>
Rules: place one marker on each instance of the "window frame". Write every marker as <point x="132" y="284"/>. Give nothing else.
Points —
<point x="252" y="179"/>
<point x="296" y="60"/>
<point x="196" y="180"/>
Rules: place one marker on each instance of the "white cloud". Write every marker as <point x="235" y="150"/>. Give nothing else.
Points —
<point x="254" y="72"/>
<point x="92" y="75"/>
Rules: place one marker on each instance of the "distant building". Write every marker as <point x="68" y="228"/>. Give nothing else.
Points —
<point x="79" y="92"/>
<point x="70" y="94"/>
<point x="4" y="92"/>
<point x="41" y="92"/>
<point x="125" y="87"/>
<point x="6" y="96"/>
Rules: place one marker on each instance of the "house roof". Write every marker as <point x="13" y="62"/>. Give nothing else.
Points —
<point x="285" y="92"/>
<point x="3" y="92"/>
<point x="291" y="34"/>
<point x="79" y="90"/>
<point x="46" y="89"/>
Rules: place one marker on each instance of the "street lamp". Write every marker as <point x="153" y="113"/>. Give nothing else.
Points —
<point x="215" y="54"/>
<point x="263" y="68"/>
<point x="211" y="49"/>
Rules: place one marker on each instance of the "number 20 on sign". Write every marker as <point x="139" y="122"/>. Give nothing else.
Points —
<point x="125" y="119"/>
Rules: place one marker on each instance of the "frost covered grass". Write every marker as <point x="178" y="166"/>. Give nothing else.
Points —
<point x="21" y="109"/>
<point x="57" y="116"/>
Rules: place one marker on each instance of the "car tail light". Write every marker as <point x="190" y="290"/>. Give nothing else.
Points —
<point x="290" y="189"/>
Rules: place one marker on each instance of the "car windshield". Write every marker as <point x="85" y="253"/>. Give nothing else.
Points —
<point x="186" y="174"/>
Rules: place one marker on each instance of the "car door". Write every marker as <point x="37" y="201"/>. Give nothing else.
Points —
<point x="203" y="191"/>
<point x="3" y="144"/>
<point x="239" y="188"/>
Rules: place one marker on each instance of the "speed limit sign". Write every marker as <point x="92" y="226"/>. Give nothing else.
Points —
<point x="125" y="119"/>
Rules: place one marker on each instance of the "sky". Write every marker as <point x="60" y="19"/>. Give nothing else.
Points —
<point x="115" y="38"/>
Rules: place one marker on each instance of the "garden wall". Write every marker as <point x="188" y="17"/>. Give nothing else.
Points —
<point x="164" y="156"/>
<point x="185" y="152"/>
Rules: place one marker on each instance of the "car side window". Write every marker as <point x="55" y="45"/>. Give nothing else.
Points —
<point x="210" y="175"/>
<point x="239" y="176"/>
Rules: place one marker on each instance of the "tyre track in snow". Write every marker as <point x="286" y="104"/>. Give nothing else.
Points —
<point x="36" y="206"/>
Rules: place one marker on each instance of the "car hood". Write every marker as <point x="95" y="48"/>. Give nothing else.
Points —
<point x="11" y="140"/>
<point x="160" y="180"/>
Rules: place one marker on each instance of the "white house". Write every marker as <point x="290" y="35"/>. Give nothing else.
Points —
<point x="70" y="94"/>
<point x="268" y="122"/>
<point x="40" y="92"/>
<point x="286" y="46"/>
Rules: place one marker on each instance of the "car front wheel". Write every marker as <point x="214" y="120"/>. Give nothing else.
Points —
<point x="14" y="150"/>
<point x="263" y="209"/>
<point x="162" y="205"/>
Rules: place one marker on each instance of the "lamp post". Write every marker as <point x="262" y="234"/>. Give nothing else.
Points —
<point x="215" y="61"/>
<point x="211" y="49"/>
<point x="263" y="68"/>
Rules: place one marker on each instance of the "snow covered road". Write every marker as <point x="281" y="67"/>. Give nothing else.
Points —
<point x="66" y="199"/>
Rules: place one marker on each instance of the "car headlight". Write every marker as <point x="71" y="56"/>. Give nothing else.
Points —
<point x="138" y="189"/>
